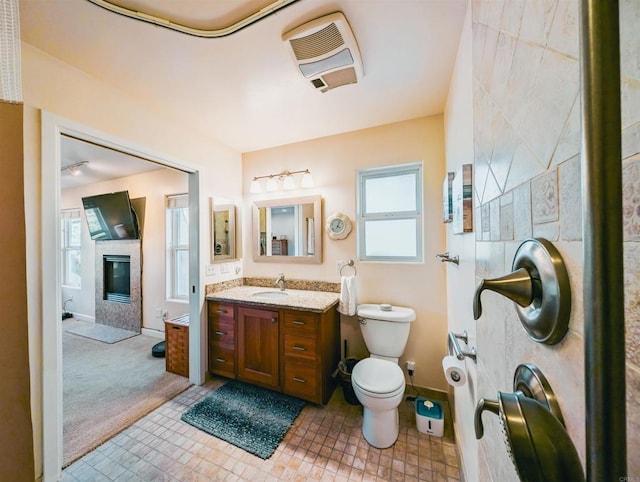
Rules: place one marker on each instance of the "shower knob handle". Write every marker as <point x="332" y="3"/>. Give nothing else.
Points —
<point x="517" y="286"/>
<point x="484" y="404"/>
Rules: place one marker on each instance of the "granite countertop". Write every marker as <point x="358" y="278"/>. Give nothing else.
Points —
<point x="304" y="300"/>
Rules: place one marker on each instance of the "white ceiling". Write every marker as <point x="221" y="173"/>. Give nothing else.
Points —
<point x="243" y="89"/>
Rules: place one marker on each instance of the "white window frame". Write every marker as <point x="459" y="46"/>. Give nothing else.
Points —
<point x="68" y="216"/>
<point x="363" y="217"/>
<point x="175" y="201"/>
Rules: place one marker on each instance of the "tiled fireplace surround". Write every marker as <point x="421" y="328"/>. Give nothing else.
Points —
<point x="527" y="143"/>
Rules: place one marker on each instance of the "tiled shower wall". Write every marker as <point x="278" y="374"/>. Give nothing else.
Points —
<point x="527" y="138"/>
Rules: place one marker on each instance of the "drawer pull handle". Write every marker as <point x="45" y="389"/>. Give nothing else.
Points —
<point x="299" y="348"/>
<point x="221" y="360"/>
<point x="221" y="333"/>
<point x="175" y="327"/>
<point x="220" y="310"/>
<point x="299" y="380"/>
<point x="298" y="322"/>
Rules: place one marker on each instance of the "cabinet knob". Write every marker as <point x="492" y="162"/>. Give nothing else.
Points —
<point x="221" y="333"/>
<point x="299" y="348"/>
<point x="274" y="320"/>
<point x="299" y="380"/>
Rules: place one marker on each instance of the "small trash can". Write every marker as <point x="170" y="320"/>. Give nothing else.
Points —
<point x="429" y="417"/>
<point x="344" y="376"/>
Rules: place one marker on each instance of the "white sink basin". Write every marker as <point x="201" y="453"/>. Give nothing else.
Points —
<point x="270" y="294"/>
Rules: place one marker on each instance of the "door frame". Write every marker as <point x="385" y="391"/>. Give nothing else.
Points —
<point x="52" y="128"/>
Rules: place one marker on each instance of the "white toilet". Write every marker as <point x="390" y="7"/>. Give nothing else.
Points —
<point x="378" y="381"/>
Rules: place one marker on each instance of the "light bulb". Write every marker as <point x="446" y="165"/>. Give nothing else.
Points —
<point x="272" y="184"/>
<point x="307" y="180"/>
<point x="289" y="182"/>
<point x="255" y="187"/>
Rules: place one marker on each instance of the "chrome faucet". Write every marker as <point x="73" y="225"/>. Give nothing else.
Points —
<point x="281" y="282"/>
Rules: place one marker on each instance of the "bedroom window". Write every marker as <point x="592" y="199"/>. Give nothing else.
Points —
<point x="177" y="224"/>
<point x="71" y="248"/>
<point x="389" y="217"/>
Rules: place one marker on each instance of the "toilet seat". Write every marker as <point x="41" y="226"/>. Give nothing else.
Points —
<point x="378" y="378"/>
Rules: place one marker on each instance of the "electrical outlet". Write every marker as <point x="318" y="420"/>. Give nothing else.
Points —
<point x="411" y="366"/>
<point x="210" y="269"/>
<point x="165" y="315"/>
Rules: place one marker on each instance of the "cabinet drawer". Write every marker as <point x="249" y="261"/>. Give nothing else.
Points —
<point x="221" y="359"/>
<point x="220" y="310"/>
<point x="223" y="333"/>
<point x="300" y="346"/>
<point x="305" y="324"/>
<point x="301" y="380"/>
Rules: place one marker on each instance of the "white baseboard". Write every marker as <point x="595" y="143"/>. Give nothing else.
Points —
<point x="154" y="333"/>
<point x="81" y="317"/>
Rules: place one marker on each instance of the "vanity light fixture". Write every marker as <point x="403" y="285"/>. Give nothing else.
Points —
<point x="74" y="169"/>
<point x="287" y="179"/>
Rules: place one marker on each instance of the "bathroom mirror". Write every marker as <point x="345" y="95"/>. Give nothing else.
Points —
<point x="288" y="230"/>
<point x="223" y="232"/>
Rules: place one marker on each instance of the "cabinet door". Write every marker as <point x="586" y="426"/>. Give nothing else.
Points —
<point x="258" y="348"/>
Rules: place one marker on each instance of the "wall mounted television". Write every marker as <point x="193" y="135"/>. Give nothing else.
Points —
<point x="110" y="216"/>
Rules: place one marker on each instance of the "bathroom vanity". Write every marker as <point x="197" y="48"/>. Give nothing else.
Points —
<point x="288" y="341"/>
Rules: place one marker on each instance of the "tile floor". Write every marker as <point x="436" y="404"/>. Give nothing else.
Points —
<point x="324" y="443"/>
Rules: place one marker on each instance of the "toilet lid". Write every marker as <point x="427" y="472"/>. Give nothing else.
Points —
<point x="377" y="376"/>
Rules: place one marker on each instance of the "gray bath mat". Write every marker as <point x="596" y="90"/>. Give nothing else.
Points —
<point x="249" y="417"/>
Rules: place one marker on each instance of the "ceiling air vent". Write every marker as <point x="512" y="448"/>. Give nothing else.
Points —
<point x="325" y="52"/>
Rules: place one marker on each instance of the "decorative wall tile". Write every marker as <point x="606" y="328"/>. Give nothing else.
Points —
<point x="631" y="141"/>
<point x="493" y="14"/>
<point x="544" y="198"/>
<point x="512" y="17"/>
<point x="629" y="45"/>
<point x="564" y="36"/>
<point x="522" y="212"/>
<point x="485" y="72"/>
<point x="550" y="101"/>
<point x="538" y="17"/>
<point x="570" y="185"/>
<point x="570" y="141"/>
<point x="524" y="68"/>
<point x="571" y="253"/>
<point x="506" y="222"/>
<point x="505" y="50"/>
<point x="633" y="423"/>
<point x="524" y="166"/>
<point x="502" y="150"/>
<point x="631" y="199"/>
<point x="480" y="173"/>
<point x="479" y="222"/>
<point x="630" y="102"/>
<point x="495" y="219"/>
<point x="549" y="231"/>
<point x="491" y="188"/>
<point x="486" y="222"/>
<point x="632" y="301"/>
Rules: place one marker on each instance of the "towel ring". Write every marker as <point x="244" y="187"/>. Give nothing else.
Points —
<point x="349" y="264"/>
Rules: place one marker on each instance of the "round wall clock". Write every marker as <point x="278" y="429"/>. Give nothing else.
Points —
<point x="338" y="226"/>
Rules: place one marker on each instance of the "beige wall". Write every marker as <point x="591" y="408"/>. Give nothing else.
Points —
<point x="52" y="86"/>
<point x="333" y="162"/>
<point x="154" y="187"/>
<point x="527" y="183"/>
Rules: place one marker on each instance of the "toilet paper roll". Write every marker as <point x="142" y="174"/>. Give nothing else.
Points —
<point x="454" y="371"/>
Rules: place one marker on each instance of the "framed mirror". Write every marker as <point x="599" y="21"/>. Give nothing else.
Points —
<point x="288" y="230"/>
<point x="223" y="232"/>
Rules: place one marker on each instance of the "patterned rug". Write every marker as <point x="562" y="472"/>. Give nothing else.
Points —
<point x="249" y="417"/>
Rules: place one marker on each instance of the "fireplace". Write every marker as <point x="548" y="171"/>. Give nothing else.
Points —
<point x="117" y="278"/>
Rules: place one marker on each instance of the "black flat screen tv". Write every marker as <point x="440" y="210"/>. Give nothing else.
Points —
<point x="110" y="216"/>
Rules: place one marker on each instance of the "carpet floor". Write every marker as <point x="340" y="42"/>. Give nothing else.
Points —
<point x="249" y="417"/>
<point x="107" y="387"/>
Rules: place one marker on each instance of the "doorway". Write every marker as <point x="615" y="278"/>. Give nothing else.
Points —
<point x="53" y="128"/>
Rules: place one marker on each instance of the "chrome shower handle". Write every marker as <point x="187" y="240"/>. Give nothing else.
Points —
<point x="517" y="286"/>
<point x="484" y="404"/>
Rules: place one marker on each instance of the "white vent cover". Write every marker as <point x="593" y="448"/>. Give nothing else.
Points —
<point x="325" y="52"/>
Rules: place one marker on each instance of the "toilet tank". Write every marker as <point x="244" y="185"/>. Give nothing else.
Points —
<point x="385" y="328"/>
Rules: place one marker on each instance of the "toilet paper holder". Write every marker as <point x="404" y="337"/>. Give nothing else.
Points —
<point x="454" y="346"/>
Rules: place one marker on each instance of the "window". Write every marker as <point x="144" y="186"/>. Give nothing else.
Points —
<point x="389" y="201"/>
<point x="178" y="246"/>
<point x="71" y="247"/>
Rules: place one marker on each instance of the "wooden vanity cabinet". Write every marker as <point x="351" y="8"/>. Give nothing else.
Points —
<point x="222" y="339"/>
<point x="286" y="350"/>
<point x="257" y="346"/>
